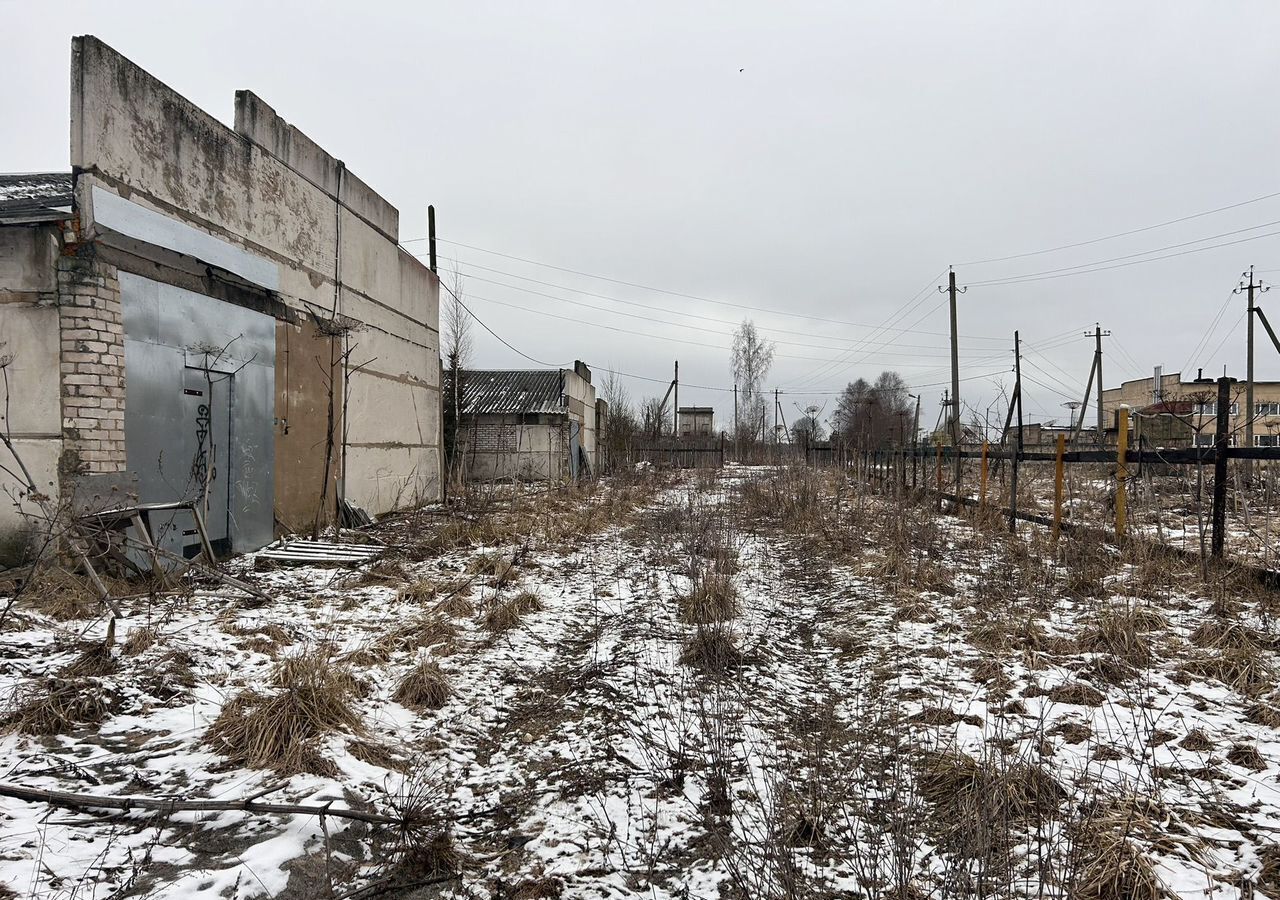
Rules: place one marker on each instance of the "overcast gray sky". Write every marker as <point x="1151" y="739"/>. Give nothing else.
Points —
<point x="824" y="160"/>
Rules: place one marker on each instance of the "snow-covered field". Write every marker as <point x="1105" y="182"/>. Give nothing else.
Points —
<point x="756" y="683"/>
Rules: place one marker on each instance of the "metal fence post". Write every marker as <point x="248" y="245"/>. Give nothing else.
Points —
<point x="1220" y="443"/>
<point x="1122" y="452"/>
<point x="1057" y="486"/>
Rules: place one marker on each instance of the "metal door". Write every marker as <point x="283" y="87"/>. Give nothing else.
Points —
<point x="207" y="397"/>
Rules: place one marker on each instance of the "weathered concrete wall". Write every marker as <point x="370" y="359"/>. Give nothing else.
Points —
<point x="580" y="395"/>
<point x="498" y="448"/>
<point x="29" y="351"/>
<point x="267" y="188"/>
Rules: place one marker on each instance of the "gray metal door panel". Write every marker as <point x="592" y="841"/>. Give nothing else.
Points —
<point x="208" y="400"/>
<point x="171" y="336"/>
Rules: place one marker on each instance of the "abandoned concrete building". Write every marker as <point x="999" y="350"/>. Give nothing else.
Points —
<point x="195" y="312"/>
<point x="528" y="425"/>
<point x="696" y="421"/>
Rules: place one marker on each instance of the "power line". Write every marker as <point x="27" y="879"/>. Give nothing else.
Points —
<point x="639" y="286"/>
<point x="458" y="300"/>
<point x="685" y="325"/>
<point x="471" y="265"/>
<point x="1208" y="334"/>
<point x="659" y="337"/>
<point x="1067" y="271"/>
<point x="1120" y="234"/>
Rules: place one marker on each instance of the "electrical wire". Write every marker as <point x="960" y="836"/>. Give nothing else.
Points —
<point x="470" y="265"/>
<point x="692" y="327"/>
<point x="1120" y="234"/>
<point x="1208" y="335"/>
<point x="1049" y="274"/>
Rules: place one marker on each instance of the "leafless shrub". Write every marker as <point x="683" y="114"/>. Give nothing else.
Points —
<point x="712" y="649"/>
<point x="713" y="599"/>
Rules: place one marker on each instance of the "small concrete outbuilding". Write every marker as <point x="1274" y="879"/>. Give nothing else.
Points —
<point x="528" y="424"/>
<point x="696" y="421"/>
<point x="208" y="314"/>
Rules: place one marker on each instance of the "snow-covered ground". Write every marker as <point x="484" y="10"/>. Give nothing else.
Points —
<point x="884" y="702"/>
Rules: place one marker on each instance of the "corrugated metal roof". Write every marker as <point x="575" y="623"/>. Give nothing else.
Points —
<point x="511" y="391"/>
<point x="35" y="197"/>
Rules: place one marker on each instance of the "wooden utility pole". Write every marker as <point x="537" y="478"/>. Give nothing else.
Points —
<point x="675" y="410"/>
<point x="1098" y="335"/>
<point x="955" y="374"/>
<point x="915" y="442"/>
<point x="431" y="237"/>
<point x="1017" y="448"/>
<point x="1249" y="287"/>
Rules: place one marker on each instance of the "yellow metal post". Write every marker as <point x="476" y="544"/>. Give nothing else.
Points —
<point x="1057" y="486"/>
<point x="1122" y="451"/>
<point x="982" y="488"/>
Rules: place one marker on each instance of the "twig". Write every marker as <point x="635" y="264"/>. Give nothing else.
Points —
<point x="248" y="804"/>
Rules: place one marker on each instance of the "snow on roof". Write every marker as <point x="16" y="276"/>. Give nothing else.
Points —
<point x="35" y="197"/>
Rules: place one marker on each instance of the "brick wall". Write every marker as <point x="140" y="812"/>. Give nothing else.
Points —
<point x="92" y="362"/>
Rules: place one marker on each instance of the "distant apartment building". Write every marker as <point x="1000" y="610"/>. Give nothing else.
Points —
<point x="1174" y="412"/>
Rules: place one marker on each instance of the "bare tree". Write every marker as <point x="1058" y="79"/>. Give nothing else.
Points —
<point x="875" y="415"/>
<point x="456" y="351"/>
<point x="751" y="360"/>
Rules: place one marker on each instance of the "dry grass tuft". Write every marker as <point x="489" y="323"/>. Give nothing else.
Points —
<point x="1120" y="629"/>
<point x="426" y="687"/>
<point x="425" y="859"/>
<point x="379" y="574"/>
<point x="427" y="630"/>
<point x="1243" y="669"/>
<point x="1218" y="634"/>
<point x="140" y="640"/>
<point x="56" y="706"/>
<point x="1074" y="693"/>
<point x="975" y="801"/>
<point x="507" y="614"/>
<point x="420" y="590"/>
<point x="1110" y="866"/>
<point x="281" y="730"/>
<point x="714" y="599"/>
<point x="1198" y="740"/>
<point x="376" y="754"/>
<point x="712" y="649"/>
<point x="63" y="595"/>
<point x="1247" y="757"/>
<point x="95" y="662"/>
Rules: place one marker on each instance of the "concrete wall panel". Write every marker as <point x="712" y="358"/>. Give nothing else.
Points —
<point x="29" y="338"/>
<point x="27" y="258"/>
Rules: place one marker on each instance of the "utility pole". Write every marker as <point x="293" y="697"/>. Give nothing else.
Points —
<point x="955" y="373"/>
<point x="776" y="436"/>
<point x="675" y="411"/>
<point x="735" y="420"/>
<point x="1249" y="287"/>
<point x="1098" y="335"/>
<point x="1017" y="448"/>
